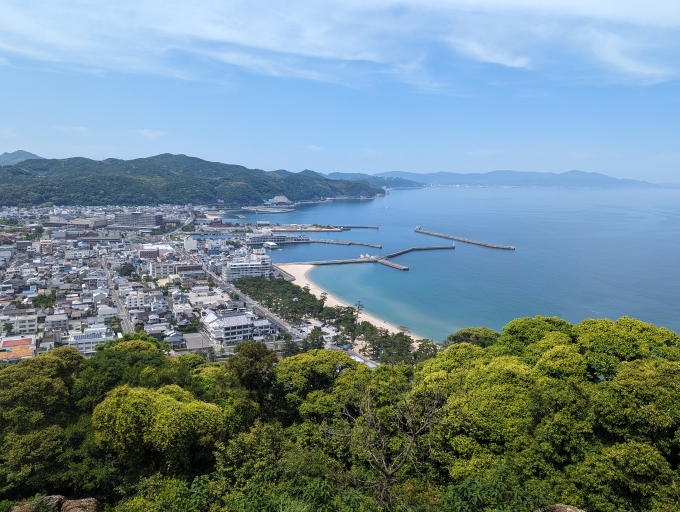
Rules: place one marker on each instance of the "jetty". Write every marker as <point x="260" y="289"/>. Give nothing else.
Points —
<point x="465" y="240"/>
<point x="344" y="242"/>
<point x="432" y="248"/>
<point x="388" y="263"/>
<point x="358" y="227"/>
<point x="383" y="260"/>
<point x="333" y="262"/>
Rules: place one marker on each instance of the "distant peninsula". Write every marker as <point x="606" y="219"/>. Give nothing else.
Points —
<point x="163" y="179"/>
<point x="572" y="179"/>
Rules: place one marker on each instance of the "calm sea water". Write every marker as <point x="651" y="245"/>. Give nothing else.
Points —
<point x="580" y="254"/>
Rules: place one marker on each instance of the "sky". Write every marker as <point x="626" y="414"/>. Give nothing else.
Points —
<point x="349" y="86"/>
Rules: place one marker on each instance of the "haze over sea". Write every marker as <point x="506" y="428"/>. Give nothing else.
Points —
<point x="580" y="253"/>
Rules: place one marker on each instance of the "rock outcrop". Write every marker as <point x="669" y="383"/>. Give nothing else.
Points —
<point x="561" y="508"/>
<point x="57" y="503"/>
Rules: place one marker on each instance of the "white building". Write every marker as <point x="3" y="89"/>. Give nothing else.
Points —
<point x="86" y="341"/>
<point x="56" y="322"/>
<point x="254" y="265"/>
<point x="233" y="329"/>
<point x="161" y="270"/>
<point x="277" y="238"/>
<point x="107" y="312"/>
<point x="135" y="300"/>
<point x="21" y="324"/>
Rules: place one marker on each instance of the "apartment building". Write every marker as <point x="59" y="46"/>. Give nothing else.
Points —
<point x="253" y="265"/>
<point x="135" y="300"/>
<point x="21" y="324"/>
<point x="138" y="219"/>
<point x="161" y="270"/>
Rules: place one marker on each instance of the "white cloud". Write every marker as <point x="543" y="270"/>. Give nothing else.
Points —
<point x="619" y="53"/>
<point x="346" y="41"/>
<point x="151" y="134"/>
<point x="314" y="147"/>
<point x="6" y="133"/>
<point x="482" y="53"/>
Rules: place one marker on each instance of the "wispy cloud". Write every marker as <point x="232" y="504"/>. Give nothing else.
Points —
<point x="620" y="54"/>
<point x="6" y="133"/>
<point x="314" y="147"/>
<point x="483" y="53"/>
<point x="151" y="134"/>
<point x="346" y="41"/>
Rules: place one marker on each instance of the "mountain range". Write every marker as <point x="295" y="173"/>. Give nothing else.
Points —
<point x="163" y="179"/>
<point x="17" y="157"/>
<point x="29" y="179"/>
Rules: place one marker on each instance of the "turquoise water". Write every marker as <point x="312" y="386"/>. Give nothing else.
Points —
<point x="580" y="254"/>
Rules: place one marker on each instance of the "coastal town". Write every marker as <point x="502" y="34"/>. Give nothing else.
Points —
<point x="82" y="276"/>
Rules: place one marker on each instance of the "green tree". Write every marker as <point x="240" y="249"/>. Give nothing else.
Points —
<point x="481" y="336"/>
<point x="314" y="340"/>
<point x="167" y="426"/>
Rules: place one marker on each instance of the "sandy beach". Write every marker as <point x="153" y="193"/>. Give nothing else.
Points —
<point x="300" y="273"/>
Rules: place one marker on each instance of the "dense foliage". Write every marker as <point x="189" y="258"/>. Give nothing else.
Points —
<point x="173" y="179"/>
<point x="585" y="414"/>
<point x="294" y="303"/>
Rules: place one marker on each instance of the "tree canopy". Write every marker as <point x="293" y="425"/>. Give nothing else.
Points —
<point x="544" y="412"/>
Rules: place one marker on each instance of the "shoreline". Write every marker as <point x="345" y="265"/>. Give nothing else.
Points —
<point x="301" y="275"/>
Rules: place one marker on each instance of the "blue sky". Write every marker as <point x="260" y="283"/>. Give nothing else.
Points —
<point x="349" y="86"/>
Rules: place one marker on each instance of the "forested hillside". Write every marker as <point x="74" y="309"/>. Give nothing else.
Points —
<point x="162" y="179"/>
<point x="546" y="412"/>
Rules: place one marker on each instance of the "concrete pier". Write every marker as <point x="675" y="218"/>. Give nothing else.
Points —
<point x="389" y="263"/>
<point x="465" y="240"/>
<point x="432" y="248"/>
<point x="333" y="262"/>
<point x="344" y="242"/>
<point x="358" y="227"/>
<point x="383" y="260"/>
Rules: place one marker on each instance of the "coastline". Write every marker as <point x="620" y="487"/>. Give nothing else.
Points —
<point x="301" y="275"/>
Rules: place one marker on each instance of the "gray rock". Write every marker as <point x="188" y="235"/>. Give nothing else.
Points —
<point x="561" y="508"/>
<point x="85" y="505"/>
<point x="47" y="502"/>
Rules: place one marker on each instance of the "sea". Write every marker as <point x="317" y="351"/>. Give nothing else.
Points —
<point x="580" y="253"/>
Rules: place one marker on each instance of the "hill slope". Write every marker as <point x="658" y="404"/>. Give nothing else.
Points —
<point x="577" y="179"/>
<point x="17" y="156"/>
<point x="380" y="181"/>
<point x="172" y="179"/>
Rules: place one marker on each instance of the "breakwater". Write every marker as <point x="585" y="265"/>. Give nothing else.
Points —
<point x="344" y="242"/>
<point x="358" y="227"/>
<point x="388" y="263"/>
<point x="431" y="248"/>
<point x="334" y="262"/>
<point x="465" y="240"/>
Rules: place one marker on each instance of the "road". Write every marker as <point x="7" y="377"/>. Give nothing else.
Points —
<point x="122" y="311"/>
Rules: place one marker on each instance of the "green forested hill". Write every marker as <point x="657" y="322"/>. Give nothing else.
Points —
<point x="545" y="412"/>
<point x="171" y="179"/>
